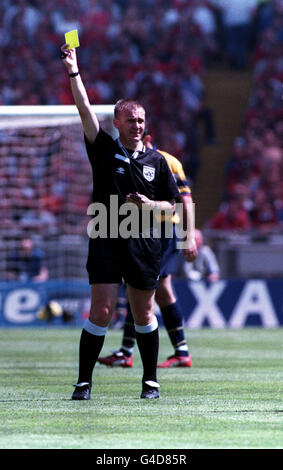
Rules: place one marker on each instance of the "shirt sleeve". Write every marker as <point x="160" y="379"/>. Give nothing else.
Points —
<point x="178" y="173"/>
<point x="211" y="261"/>
<point x="182" y="182"/>
<point x="167" y="188"/>
<point x="100" y="146"/>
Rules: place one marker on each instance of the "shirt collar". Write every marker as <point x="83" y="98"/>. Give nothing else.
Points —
<point x="140" y="148"/>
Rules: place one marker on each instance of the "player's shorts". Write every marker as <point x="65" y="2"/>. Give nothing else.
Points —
<point x="136" y="261"/>
<point x="170" y="255"/>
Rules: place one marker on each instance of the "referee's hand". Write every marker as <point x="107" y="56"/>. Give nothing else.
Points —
<point x="140" y="200"/>
<point x="69" y="58"/>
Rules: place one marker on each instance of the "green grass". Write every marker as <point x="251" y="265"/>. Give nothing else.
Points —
<point x="230" y="398"/>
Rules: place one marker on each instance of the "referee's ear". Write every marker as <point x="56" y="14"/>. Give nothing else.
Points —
<point x="147" y="140"/>
<point x="115" y="123"/>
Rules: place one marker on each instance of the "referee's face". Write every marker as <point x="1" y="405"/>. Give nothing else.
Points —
<point x="130" y="123"/>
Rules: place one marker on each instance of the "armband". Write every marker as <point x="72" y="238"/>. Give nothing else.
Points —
<point x="75" y="74"/>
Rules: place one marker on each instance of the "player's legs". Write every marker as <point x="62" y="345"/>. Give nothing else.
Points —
<point x="165" y="295"/>
<point x="173" y="322"/>
<point x="124" y="356"/>
<point x="142" y="305"/>
<point x="103" y="301"/>
<point x="129" y="334"/>
<point x="141" y="268"/>
<point x="146" y="326"/>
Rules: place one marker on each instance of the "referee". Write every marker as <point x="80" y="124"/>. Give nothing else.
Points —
<point x="127" y="169"/>
<point x="165" y="296"/>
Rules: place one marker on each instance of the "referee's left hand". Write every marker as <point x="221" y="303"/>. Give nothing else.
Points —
<point x="140" y="200"/>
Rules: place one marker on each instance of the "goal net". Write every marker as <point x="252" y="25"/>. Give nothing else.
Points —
<point x="46" y="185"/>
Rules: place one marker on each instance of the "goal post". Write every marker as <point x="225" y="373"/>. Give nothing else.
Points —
<point x="44" y="115"/>
<point x="46" y="185"/>
<point x="50" y="110"/>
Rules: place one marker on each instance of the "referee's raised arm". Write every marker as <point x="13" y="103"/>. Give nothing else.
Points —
<point x="89" y="120"/>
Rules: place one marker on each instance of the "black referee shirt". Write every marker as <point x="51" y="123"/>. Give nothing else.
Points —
<point x="116" y="172"/>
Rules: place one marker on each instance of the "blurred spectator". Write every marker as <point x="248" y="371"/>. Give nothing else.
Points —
<point x="205" y="266"/>
<point x="27" y="263"/>
<point x="266" y="12"/>
<point x="263" y="215"/>
<point x="237" y="20"/>
<point x="231" y="216"/>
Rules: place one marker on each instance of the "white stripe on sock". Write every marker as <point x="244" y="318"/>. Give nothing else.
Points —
<point x="129" y="350"/>
<point x="151" y="383"/>
<point x="147" y="328"/>
<point x="184" y="347"/>
<point x="94" y="329"/>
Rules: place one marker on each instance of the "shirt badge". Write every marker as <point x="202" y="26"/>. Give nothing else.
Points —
<point x="120" y="170"/>
<point x="148" y="173"/>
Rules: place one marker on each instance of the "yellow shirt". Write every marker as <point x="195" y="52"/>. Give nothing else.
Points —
<point x="178" y="173"/>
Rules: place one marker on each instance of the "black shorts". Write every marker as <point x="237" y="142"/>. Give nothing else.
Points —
<point x="134" y="260"/>
<point x="170" y="255"/>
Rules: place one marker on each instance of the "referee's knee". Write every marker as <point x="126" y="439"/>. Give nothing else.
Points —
<point x="100" y="315"/>
<point x="144" y="318"/>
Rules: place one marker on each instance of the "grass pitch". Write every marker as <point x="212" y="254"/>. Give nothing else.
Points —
<point x="230" y="399"/>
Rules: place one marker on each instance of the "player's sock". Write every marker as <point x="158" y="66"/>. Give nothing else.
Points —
<point x="129" y="334"/>
<point x="91" y="342"/>
<point x="148" y="344"/>
<point x="173" y="322"/>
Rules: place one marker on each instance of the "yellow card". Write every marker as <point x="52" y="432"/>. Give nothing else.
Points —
<point x="72" y="38"/>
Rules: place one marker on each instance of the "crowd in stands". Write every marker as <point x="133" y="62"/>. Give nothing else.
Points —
<point x="253" y="196"/>
<point x="153" y="50"/>
<point x="156" y="51"/>
<point x="45" y="182"/>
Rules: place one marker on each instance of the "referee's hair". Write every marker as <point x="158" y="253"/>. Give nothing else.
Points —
<point x="126" y="103"/>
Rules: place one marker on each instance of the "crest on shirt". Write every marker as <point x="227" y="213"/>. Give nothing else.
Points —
<point x="120" y="170"/>
<point x="148" y="173"/>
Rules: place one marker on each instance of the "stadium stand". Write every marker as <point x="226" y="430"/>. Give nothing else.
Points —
<point x="44" y="173"/>
<point x="45" y="185"/>
<point x="157" y="50"/>
<point x="253" y="197"/>
<point x="154" y="50"/>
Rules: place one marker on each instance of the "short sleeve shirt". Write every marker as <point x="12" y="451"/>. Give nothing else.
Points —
<point x="115" y="172"/>
<point x="178" y="173"/>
